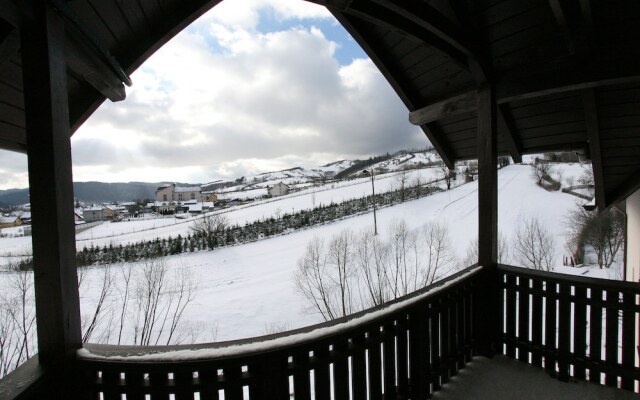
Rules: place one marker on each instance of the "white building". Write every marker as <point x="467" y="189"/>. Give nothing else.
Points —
<point x="278" y="189"/>
<point x="172" y="192"/>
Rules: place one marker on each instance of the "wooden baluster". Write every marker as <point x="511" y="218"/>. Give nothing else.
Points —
<point x="183" y="384"/>
<point x="402" y="357"/>
<point x="435" y="345"/>
<point x="89" y="382"/>
<point x="110" y="384"/>
<point x="628" y="337"/>
<point x="418" y="341"/>
<point x="301" y="381"/>
<point x="445" y="333"/>
<point x="375" y="364"/>
<point x="159" y="385"/>
<point x="209" y="386"/>
<point x="595" y="333"/>
<point x="580" y="331"/>
<point x="134" y="380"/>
<point x="524" y="312"/>
<point x="536" y="323"/>
<point x="510" y="322"/>
<point x="321" y="377"/>
<point x="550" y="333"/>
<point x="358" y="367"/>
<point x="611" y="338"/>
<point x="459" y="344"/>
<point x="564" y="331"/>
<point x="233" y="383"/>
<point x="389" y="360"/>
<point x="469" y="310"/>
<point x="340" y="356"/>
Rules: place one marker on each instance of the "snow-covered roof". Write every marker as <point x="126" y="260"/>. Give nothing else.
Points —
<point x="93" y="209"/>
<point x="8" y="220"/>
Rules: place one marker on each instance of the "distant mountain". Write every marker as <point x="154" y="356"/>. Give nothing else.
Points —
<point x="91" y="192"/>
<point x="100" y="192"/>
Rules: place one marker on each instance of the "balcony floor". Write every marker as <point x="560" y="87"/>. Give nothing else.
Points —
<point x="503" y="378"/>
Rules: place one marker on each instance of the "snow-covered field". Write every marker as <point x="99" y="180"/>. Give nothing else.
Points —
<point x="244" y="289"/>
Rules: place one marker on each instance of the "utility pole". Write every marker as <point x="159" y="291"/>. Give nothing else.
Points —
<point x="373" y="200"/>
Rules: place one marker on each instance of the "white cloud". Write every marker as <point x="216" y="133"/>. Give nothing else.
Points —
<point x="223" y="100"/>
<point x="245" y="14"/>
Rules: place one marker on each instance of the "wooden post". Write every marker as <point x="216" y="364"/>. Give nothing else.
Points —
<point x="488" y="315"/>
<point x="51" y="188"/>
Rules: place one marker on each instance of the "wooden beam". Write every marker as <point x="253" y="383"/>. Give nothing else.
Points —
<point x="466" y="102"/>
<point x="628" y="187"/>
<point x="507" y="127"/>
<point x="488" y="317"/>
<point x="529" y="87"/>
<point x="593" y="134"/>
<point x="383" y="17"/>
<point x="592" y="73"/>
<point x="51" y="190"/>
<point x="88" y="66"/>
<point x="574" y="34"/>
<point x="429" y="18"/>
<point x="435" y="136"/>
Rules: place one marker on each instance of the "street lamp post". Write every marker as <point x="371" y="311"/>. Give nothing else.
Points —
<point x="373" y="200"/>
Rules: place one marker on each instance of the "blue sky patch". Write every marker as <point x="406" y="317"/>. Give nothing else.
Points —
<point x="347" y="50"/>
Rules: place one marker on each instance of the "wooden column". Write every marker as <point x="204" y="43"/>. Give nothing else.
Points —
<point x="50" y="187"/>
<point x="487" y="178"/>
<point x="488" y="320"/>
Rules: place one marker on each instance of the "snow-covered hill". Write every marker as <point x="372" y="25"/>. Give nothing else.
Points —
<point x="254" y="186"/>
<point x="243" y="290"/>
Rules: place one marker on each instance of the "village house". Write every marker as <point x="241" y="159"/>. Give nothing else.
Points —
<point x="8" y="222"/>
<point x="209" y="197"/>
<point x="172" y="192"/>
<point x="92" y="214"/>
<point x="278" y="189"/>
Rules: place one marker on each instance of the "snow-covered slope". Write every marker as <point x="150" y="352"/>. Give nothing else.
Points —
<point x="243" y="289"/>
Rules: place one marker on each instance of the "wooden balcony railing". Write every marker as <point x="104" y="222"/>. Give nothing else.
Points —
<point x="404" y="349"/>
<point x="577" y="327"/>
<point x="574" y="327"/>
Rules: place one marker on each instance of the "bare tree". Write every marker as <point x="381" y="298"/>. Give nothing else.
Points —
<point x="339" y="259"/>
<point x="371" y="257"/>
<point x="447" y="174"/>
<point x="504" y="254"/>
<point x="312" y="281"/>
<point x="363" y="270"/>
<point x="438" y="256"/>
<point x="181" y="293"/>
<point x="402" y="179"/>
<point x="404" y="268"/>
<point x="126" y="273"/>
<point x="10" y="344"/>
<point x="603" y="232"/>
<point x="534" y="246"/>
<point x="209" y="225"/>
<point x="100" y="312"/>
<point x="541" y="170"/>
<point x="17" y="320"/>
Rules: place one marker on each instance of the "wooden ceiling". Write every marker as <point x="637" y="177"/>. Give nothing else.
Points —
<point x="566" y="72"/>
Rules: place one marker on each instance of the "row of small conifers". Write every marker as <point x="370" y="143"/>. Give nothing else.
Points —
<point x="226" y="235"/>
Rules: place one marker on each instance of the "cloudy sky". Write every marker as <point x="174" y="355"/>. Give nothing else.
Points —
<point x="252" y="86"/>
